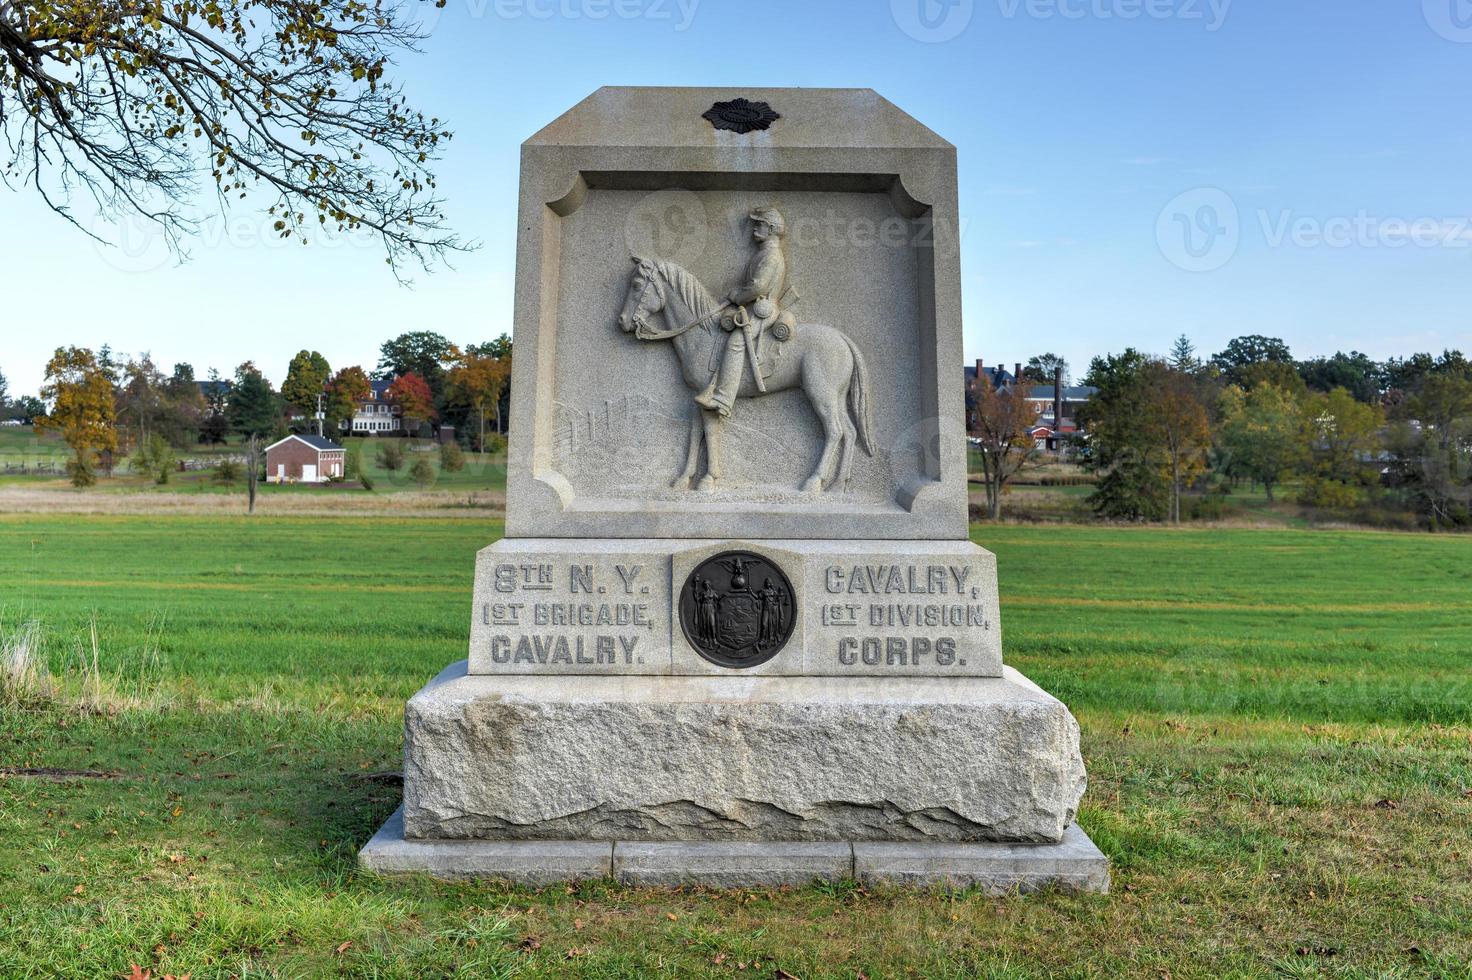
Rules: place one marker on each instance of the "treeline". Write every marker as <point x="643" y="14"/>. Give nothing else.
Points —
<point x="1353" y="434"/>
<point x="104" y="407"/>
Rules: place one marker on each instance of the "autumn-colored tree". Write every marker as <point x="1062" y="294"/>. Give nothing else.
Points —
<point x="1175" y="420"/>
<point x="414" y="398"/>
<point x="134" y="102"/>
<point x="475" y="382"/>
<point x="1004" y="422"/>
<point x="345" y="391"/>
<point x="80" y="394"/>
<point x="305" y="377"/>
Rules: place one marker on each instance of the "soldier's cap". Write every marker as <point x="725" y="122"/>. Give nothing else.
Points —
<point x="769" y="216"/>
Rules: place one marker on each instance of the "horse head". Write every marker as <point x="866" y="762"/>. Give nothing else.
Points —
<point x="644" y="299"/>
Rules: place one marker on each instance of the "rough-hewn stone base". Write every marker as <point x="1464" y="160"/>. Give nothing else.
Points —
<point x="735" y="758"/>
<point x="1073" y="863"/>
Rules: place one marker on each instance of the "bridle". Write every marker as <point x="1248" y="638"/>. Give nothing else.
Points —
<point x="643" y="331"/>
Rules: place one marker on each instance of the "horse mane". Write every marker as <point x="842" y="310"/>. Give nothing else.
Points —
<point x="690" y="290"/>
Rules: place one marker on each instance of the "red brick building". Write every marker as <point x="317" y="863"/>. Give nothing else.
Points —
<point x="304" y="459"/>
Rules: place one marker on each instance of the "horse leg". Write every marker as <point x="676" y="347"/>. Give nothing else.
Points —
<point x="712" y="424"/>
<point x="692" y="455"/>
<point x="828" y="414"/>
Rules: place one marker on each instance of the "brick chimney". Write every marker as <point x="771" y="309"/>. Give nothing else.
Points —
<point x="1057" y="397"/>
<point x="980" y="369"/>
<point x="1017" y="372"/>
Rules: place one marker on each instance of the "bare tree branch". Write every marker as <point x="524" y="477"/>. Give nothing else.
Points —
<point x="130" y="102"/>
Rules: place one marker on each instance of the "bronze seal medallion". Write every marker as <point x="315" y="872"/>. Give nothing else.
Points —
<point x="737" y="609"/>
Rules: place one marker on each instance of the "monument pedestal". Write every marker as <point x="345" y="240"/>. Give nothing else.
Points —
<point x="740" y="780"/>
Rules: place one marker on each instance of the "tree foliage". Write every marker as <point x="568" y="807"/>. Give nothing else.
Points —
<point x="345" y="391"/>
<point x="414" y="397"/>
<point x="476" y="382"/>
<point x="255" y="409"/>
<point x="1175" y="420"/>
<point x="132" y="103"/>
<point x="1127" y="455"/>
<point x="79" y="392"/>
<point x="1040" y="369"/>
<point x="421" y="352"/>
<point x="305" y="377"/>
<point x="1265" y="433"/>
<point x="1004" y="422"/>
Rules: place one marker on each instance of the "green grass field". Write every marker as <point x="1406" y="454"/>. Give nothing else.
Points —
<point x="1278" y="728"/>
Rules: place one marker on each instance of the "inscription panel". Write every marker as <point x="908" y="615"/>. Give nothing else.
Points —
<point x="899" y="614"/>
<point x="557" y="607"/>
<point x="896" y="609"/>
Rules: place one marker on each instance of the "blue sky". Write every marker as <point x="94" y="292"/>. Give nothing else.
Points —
<point x="1130" y="170"/>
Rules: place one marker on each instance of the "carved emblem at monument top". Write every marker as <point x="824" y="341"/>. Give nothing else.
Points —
<point x="749" y="344"/>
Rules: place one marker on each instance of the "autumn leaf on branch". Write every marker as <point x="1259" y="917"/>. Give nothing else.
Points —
<point x="132" y="102"/>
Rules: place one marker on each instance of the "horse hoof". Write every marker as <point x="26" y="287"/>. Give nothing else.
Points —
<point x="814" y="484"/>
<point x="706" y="483"/>
<point x="683" y="483"/>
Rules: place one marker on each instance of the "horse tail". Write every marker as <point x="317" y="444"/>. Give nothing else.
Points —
<point x="858" y="398"/>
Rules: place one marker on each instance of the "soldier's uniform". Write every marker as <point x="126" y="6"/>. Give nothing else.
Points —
<point x="761" y="287"/>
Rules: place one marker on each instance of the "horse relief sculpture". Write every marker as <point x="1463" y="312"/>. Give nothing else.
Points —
<point x="746" y="345"/>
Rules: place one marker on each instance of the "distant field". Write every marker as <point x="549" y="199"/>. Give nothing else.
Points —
<point x="1278" y="726"/>
<point x="28" y="460"/>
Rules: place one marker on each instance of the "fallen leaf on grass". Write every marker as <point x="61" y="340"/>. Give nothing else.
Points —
<point x="1387" y="805"/>
<point x="79" y="889"/>
<point x="671" y="916"/>
<point x="343" y="947"/>
<point x="531" y="944"/>
<point x="574" y="952"/>
<point x="577" y="924"/>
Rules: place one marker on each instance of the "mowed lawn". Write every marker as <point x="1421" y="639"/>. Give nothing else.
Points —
<point x="1278" y="728"/>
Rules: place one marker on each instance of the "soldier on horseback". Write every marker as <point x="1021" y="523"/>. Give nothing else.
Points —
<point x="761" y="287"/>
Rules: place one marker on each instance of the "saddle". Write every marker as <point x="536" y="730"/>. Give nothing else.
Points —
<point x="769" y="343"/>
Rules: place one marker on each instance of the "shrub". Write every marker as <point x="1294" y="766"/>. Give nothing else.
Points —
<point x="155" y="457"/>
<point x="81" y="471"/>
<point x="422" y="472"/>
<point x="452" y="458"/>
<point x="1329" y="494"/>
<point x="494" y="443"/>
<point x="391" y="456"/>
<point x="228" y="472"/>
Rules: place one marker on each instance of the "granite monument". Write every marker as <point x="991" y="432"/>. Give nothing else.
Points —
<point x="736" y="633"/>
